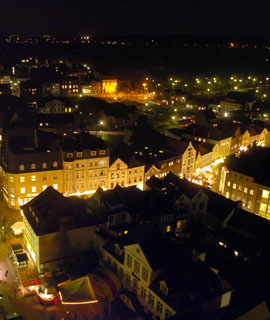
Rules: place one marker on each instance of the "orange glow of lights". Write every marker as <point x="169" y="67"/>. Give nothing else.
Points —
<point x="82" y="302"/>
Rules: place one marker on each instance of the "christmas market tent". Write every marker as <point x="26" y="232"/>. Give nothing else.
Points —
<point x="105" y="283"/>
<point x="78" y="291"/>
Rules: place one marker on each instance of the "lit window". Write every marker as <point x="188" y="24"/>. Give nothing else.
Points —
<point x="44" y="187"/>
<point x="228" y="183"/>
<point x="11" y="179"/>
<point x="103" y="163"/>
<point x="22" y="190"/>
<point x="168" y="228"/>
<point x="228" y="195"/>
<point x="55" y="186"/>
<point x="151" y="299"/>
<point x="170" y="163"/>
<point x="136" y="266"/>
<point x="245" y="190"/>
<point x="21" y="167"/>
<point x="33" y="166"/>
<point x="22" y="179"/>
<point x="178" y="225"/>
<point x="144" y="273"/>
<point x="34" y="189"/>
<point x="143" y="293"/>
<point x="263" y="207"/>
<point x="55" y="164"/>
<point x="239" y="188"/>
<point x="44" y="165"/>
<point x="159" y="307"/>
<point x="265" y="194"/>
<point x="251" y="192"/>
<point x="234" y="186"/>
<point x="222" y="244"/>
<point x="129" y="260"/>
<point x="33" y="178"/>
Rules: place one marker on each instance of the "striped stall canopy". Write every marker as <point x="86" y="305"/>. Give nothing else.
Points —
<point x="105" y="283"/>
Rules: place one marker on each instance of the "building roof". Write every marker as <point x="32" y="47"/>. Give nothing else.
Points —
<point x="82" y="141"/>
<point x="252" y="163"/>
<point x="51" y="212"/>
<point x="188" y="284"/>
<point x="213" y="133"/>
<point x="41" y="103"/>
<point x="250" y="226"/>
<point x="217" y="206"/>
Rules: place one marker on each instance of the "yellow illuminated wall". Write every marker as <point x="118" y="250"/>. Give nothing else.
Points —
<point x="20" y="188"/>
<point x="109" y="86"/>
<point x="84" y="176"/>
<point x="120" y="174"/>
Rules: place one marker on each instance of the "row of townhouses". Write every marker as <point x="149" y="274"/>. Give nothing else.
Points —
<point x="32" y="160"/>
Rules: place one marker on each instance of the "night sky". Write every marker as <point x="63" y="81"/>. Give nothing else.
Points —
<point x="129" y="17"/>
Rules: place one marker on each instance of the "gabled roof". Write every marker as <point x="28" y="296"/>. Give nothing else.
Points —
<point x="169" y="253"/>
<point x="51" y="212"/>
<point x="82" y="141"/>
<point x="41" y="103"/>
<point x="190" y="283"/>
<point x="250" y="225"/>
<point x="252" y="164"/>
<point x="213" y="133"/>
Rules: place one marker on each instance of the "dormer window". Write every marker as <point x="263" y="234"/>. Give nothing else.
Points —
<point x="93" y="153"/>
<point x="33" y="166"/>
<point x="70" y="155"/>
<point x="79" y="154"/>
<point x="55" y="164"/>
<point x="44" y="165"/>
<point x="102" y="152"/>
<point x="21" y="167"/>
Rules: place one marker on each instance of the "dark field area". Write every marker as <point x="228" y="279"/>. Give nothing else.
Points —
<point x="135" y="61"/>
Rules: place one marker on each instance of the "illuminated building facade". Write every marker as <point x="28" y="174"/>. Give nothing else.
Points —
<point x="85" y="169"/>
<point x="55" y="229"/>
<point x="31" y="161"/>
<point x="245" y="179"/>
<point x="55" y="106"/>
<point x="109" y="86"/>
<point x="70" y="87"/>
<point x="126" y="174"/>
<point x="143" y="270"/>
